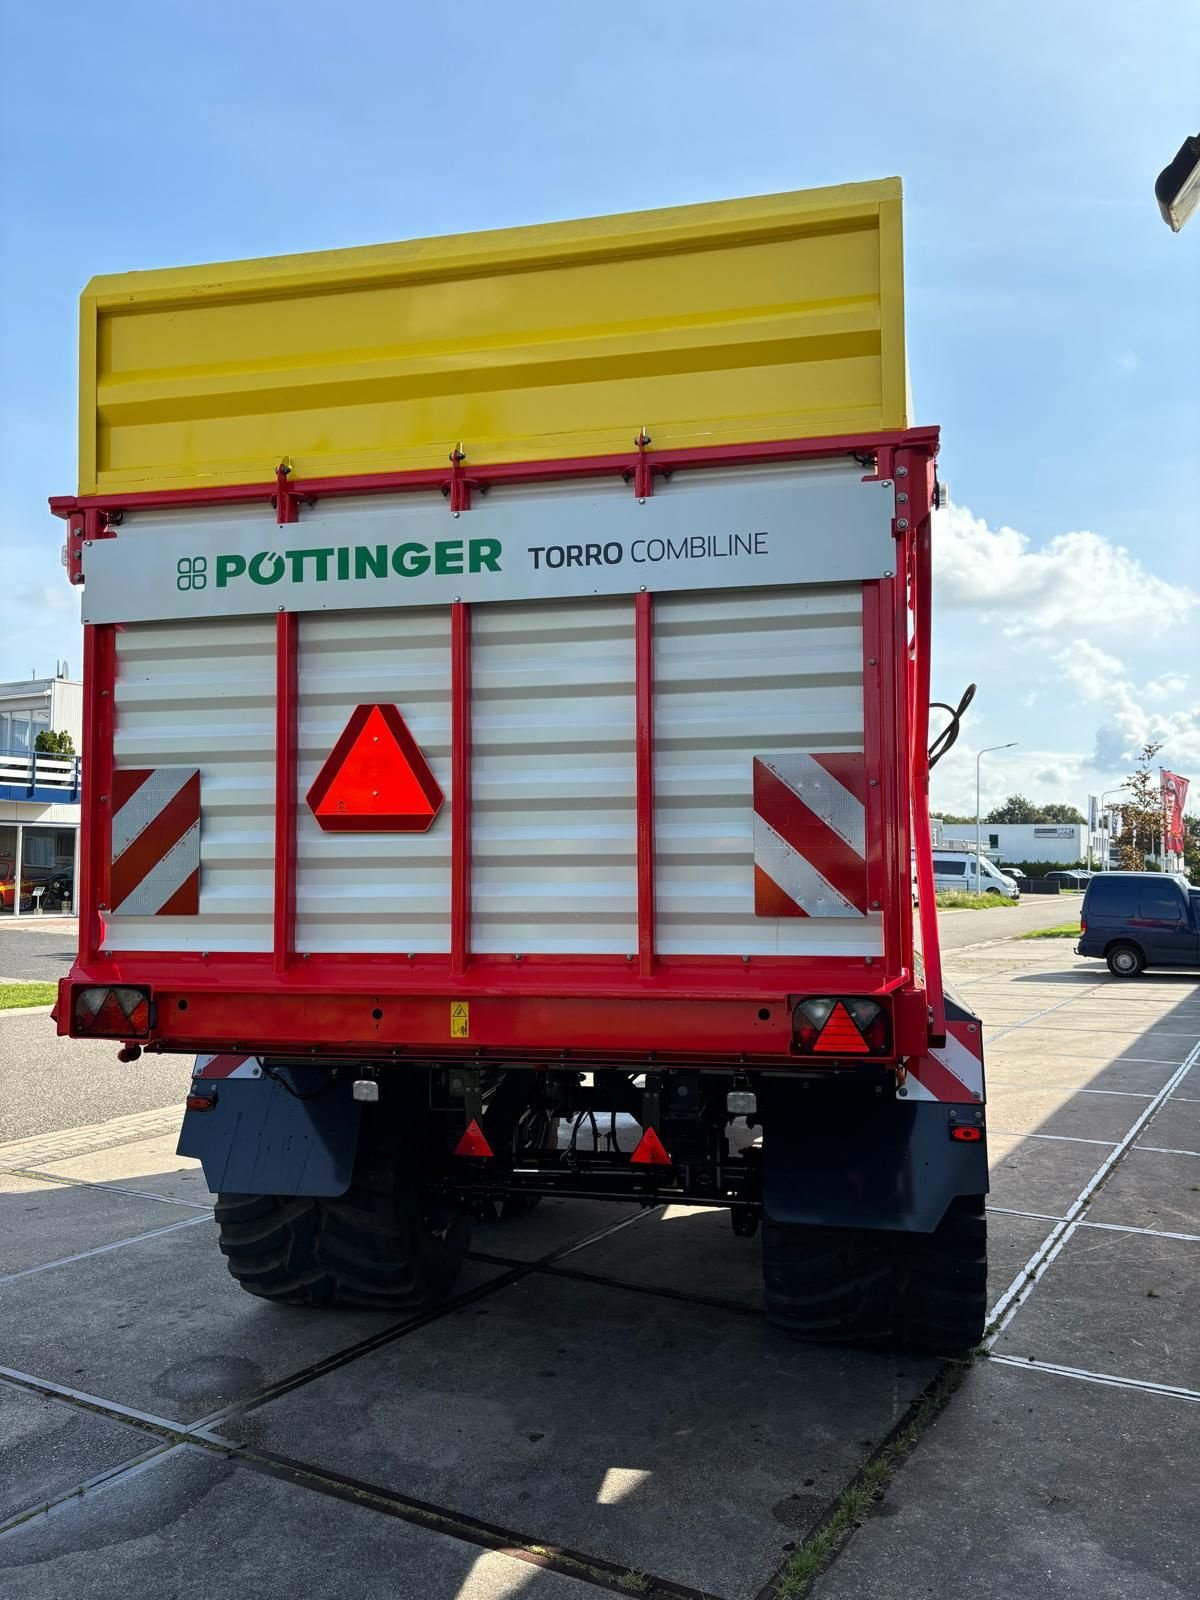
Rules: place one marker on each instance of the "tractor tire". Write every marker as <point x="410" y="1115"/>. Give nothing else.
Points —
<point x="386" y="1244"/>
<point x="913" y="1291"/>
<point x="1125" y="961"/>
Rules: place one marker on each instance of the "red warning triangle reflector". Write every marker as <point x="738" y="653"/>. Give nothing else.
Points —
<point x="375" y="780"/>
<point x="473" y="1143"/>
<point x="650" y="1152"/>
<point x="840" y="1037"/>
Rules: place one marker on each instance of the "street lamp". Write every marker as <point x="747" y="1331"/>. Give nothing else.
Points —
<point x="978" y="759"/>
<point x="1120" y="789"/>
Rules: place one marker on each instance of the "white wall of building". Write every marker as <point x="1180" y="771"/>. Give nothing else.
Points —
<point x="1035" y="841"/>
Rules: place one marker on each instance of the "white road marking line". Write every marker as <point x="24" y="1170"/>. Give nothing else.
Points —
<point x="1037" y="1216"/>
<point x="1153" y="1233"/>
<point x="1125" y="1094"/>
<point x="1161" y="1150"/>
<point x="26" y="1380"/>
<point x="111" y="1188"/>
<point x="1029" y="1364"/>
<point x="1057" y="1138"/>
<point x="103" y="1249"/>
<point x="121" y="1473"/>
<point x="1031" y="1274"/>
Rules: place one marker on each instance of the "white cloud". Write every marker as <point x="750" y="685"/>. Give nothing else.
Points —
<point x="1099" y="678"/>
<point x="1075" y="615"/>
<point x="1076" y="580"/>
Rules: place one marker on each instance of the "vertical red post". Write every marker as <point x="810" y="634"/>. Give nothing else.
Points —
<point x="644" y="763"/>
<point x="95" y="845"/>
<point x="880" y="797"/>
<point x="460" y="788"/>
<point x="918" y="508"/>
<point x="286" y="639"/>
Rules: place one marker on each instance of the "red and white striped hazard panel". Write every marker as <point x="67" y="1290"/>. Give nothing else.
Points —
<point x="953" y="1073"/>
<point x="810" y="835"/>
<point x="227" y="1067"/>
<point x="155" y="842"/>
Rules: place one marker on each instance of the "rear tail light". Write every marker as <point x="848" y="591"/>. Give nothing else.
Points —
<point x="1083" y="924"/>
<point x="112" y="1012"/>
<point x="846" y="1026"/>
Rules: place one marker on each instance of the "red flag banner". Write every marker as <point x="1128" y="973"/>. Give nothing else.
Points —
<point x="1174" y="796"/>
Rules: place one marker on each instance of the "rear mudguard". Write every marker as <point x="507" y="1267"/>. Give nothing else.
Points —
<point x="262" y="1137"/>
<point x="864" y="1160"/>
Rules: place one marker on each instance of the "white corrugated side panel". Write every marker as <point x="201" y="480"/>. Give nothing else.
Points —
<point x="378" y="892"/>
<point x="553" y="812"/>
<point x="202" y="694"/>
<point x="750" y="673"/>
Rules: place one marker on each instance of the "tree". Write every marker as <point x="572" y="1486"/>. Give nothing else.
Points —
<point x="1015" y="809"/>
<point x="1191" y="849"/>
<point x="1059" y="813"/>
<point x="1140" y="835"/>
<point x="49" y="743"/>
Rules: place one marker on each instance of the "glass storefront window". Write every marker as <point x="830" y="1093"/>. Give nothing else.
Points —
<point x="8" y="863"/>
<point x="48" y="868"/>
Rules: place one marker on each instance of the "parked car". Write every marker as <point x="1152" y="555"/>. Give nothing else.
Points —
<point x="1135" y="920"/>
<point x="8" y="886"/>
<point x="952" y="870"/>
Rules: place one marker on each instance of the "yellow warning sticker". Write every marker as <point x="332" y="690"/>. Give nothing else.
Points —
<point x="460" y="1019"/>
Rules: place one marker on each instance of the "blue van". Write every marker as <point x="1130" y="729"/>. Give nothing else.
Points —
<point x="1140" y="919"/>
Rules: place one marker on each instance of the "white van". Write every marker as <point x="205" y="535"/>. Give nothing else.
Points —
<point x="956" y="870"/>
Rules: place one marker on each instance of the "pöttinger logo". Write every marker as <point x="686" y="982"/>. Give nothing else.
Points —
<point x="192" y="572"/>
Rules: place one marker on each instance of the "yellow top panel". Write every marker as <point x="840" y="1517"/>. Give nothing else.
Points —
<point x="772" y="318"/>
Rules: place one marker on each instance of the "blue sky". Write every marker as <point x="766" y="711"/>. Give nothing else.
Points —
<point x="1054" y="321"/>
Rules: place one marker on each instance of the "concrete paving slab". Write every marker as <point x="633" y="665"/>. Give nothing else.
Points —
<point x="47" y="1447"/>
<point x="686" y="1249"/>
<point x="1040" y="1174"/>
<point x="1011" y="1242"/>
<point x="1011" y="1493"/>
<point x="1100" y="1045"/>
<point x="42" y="1222"/>
<point x="192" y="1526"/>
<point x="1120" y="1303"/>
<point x="686" y="1441"/>
<point x="1013" y="1108"/>
<point x="1009" y="1063"/>
<point x="148" y="1164"/>
<point x="551" y="1225"/>
<point x="1152" y="1190"/>
<point x="1175" y="1126"/>
<point x="161" y="1326"/>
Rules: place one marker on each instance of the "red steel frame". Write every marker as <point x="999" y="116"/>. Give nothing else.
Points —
<point x="728" y="1008"/>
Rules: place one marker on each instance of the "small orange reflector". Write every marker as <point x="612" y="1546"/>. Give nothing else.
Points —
<point x="650" y="1151"/>
<point x="201" y="1102"/>
<point x="839" y="1036"/>
<point x="967" y="1135"/>
<point x="473" y="1143"/>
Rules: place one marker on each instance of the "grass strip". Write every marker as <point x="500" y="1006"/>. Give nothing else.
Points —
<point x="27" y="994"/>
<point x="962" y="900"/>
<point x="864" y="1490"/>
